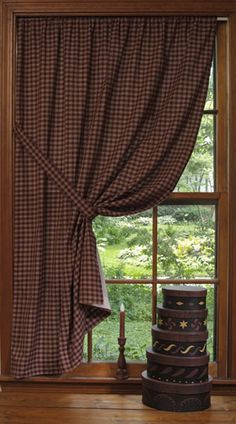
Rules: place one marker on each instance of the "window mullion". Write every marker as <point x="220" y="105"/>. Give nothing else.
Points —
<point x="154" y="264"/>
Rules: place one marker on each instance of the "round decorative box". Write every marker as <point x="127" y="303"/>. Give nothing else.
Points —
<point x="176" y="343"/>
<point x="186" y="298"/>
<point x="177" y="378"/>
<point x="189" y="320"/>
<point x="168" y="396"/>
<point x="177" y="369"/>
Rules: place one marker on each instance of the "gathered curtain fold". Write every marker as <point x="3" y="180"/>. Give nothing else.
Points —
<point x="107" y="114"/>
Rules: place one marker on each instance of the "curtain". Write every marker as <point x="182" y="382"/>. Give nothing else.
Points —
<point x="107" y="114"/>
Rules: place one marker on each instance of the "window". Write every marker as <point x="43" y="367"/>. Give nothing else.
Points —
<point x="176" y="242"/>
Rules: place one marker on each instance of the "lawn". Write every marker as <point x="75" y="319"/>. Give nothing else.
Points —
<point x="116" y="267"/>
<point x="105" y="344"/>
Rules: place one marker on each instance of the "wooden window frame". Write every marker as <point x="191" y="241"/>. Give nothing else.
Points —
<point x="10" y="10"/>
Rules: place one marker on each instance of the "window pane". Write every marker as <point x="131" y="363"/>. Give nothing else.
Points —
<point x="186" y="241"/>
<point x="125" y="245"/>
<point x="137" y="299"/>
<point x="210" y="99"/>
<point x="211" y="306"/>
<point x="199" y="172"/>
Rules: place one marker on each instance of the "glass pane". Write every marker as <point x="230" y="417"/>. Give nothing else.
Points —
<point x="125" y="245"/>
<point x="186" y="241"/>
<point x="211" y="306"/>
<point x="137" y="299"/>
<point x="210" y="99"/>
<point x="199" y="172"/>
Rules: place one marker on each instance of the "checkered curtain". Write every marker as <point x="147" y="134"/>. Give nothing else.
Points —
<point x="107" y="113"/>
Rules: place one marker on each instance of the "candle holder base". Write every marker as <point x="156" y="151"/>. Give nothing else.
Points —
<point x="121" y="373"/>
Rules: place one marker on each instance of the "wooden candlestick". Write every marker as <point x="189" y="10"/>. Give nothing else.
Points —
<point x="121" y="372"/>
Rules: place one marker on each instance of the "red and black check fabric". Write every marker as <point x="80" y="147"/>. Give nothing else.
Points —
<point x="107" y="114"/>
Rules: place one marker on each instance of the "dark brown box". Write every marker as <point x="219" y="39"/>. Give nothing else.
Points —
<point x="183" y="321"/>
<point x="177" y="369"/>
<point x="187" y="298"/>
<point x="168" y="396"/>
<point x="176" y="343"/>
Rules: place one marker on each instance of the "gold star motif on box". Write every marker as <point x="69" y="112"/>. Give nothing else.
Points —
<point x="183" y="324"/>
<point x="160" y="322"/>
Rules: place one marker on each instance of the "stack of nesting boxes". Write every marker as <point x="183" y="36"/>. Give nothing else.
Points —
<point x="177" y="378"/>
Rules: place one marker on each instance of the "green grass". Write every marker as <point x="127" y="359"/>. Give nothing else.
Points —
<point x="105" y="344"/>
<point x="109" y="256"/>
<point x="115" y="267"/>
